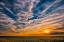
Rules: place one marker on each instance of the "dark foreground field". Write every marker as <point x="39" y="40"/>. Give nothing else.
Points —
<point x="32" y="39"/>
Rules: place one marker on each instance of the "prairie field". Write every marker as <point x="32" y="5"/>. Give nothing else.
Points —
<point x="31" y="38"/>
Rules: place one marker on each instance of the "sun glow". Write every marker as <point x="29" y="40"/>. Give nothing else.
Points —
<point x="47" y="31"/>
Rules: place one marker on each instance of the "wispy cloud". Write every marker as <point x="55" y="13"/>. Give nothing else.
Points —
<point x="52" y="17"/>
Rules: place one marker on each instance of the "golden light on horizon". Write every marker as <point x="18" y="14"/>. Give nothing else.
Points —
<point x="46" y="31"/>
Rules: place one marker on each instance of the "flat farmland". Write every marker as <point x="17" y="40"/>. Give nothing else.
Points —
<point x="31" y="38"/>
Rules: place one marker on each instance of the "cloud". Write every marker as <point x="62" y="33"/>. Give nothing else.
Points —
<point x="51" y="16"/>
<point x="57" y="33"/>
<point x="59" y="28"/>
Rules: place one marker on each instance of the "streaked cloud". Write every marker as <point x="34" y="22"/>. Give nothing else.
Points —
<point x="28" y="21"/>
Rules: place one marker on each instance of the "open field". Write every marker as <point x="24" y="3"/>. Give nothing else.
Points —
<point x="32" y="39"/>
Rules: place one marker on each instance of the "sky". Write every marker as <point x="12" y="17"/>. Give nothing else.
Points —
<point x="31" y="17"/>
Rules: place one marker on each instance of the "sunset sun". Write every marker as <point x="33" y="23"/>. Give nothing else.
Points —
<point x="46" y="31"/>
